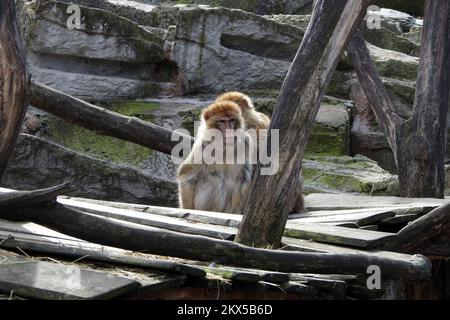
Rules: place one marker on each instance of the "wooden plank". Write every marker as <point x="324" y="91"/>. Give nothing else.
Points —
<point x="324" y="233"/>
<point x="51" y="281"/>
<point x="214" y="218"/>
<point x="79" y="249"/>
<point x="33" y="229"/>
<point x="364" y="218"/>
<point x="293" y="244"/>
<point x="153" y="220"/>
<point x="402" y="219"/>
<point x="370" y="227"/>
<point x="325" y="213"/>
<point x="157" y="241"/>
<point x="319" y="201"/>
<point x="338" y="235"/>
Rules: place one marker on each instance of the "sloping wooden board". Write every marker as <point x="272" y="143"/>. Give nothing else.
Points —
<point x="154" y="220"/>
<point x="362" y="219"/>
<point x="322" y="201"/>
<point x="339" y="212"/>
<point x="293" y="244"/>
<point x="213" y="218"/>
<point x="318" y="232"/>
<point x="76" y="249"/>
<point x="337" y="235"/>
<point x="45" y="280"/>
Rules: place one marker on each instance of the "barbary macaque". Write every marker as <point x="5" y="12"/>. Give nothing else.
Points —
<point x="220" y="186"/>
<point x="258" y="121"/>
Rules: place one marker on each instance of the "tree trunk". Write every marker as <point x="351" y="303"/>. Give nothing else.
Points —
<point x="422" y="139"/>
<point x="331" y="26"/>
<point x="418" y="143"/>
<point x="13" y="81"/>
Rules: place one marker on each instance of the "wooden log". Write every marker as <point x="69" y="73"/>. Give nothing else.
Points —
<point x="14" y="86"/>
<point x="104" y="121"/>
<point x="428" y="235"/>
<point x="418" y="143"/>
<point x="271" y="196"/>
<point x="130" y="236"/>
<point x="17" y="199"/>
<point x="79" y="249"/>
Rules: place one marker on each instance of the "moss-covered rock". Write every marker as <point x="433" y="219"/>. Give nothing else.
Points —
<point x="38" y="163"/>
<point x="347" y="174"/>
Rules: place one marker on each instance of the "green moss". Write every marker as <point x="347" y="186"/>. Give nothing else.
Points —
<point x="104" y="147"/>
<point x="87" y="142"/>
<point x="139" y="109"/>
<point x="326" y="141"/>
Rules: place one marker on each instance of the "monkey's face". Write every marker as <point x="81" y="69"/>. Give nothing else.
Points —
<point x="227" y="125"/>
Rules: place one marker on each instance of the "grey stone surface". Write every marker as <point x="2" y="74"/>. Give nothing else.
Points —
<point x="37" y="163"/>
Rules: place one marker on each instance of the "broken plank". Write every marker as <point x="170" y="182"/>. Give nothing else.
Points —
<point x="338" y="235"/>
<point x="51" y="281"/>
<point x="153" y="220"/>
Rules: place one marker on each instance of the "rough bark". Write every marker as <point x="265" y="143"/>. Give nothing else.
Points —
<point x="330" y="28"/>
<point x="13" y="81"/>
<point x="428" y="235"/>
<point x="418" y="143"/>
<point x="102" y="120"/>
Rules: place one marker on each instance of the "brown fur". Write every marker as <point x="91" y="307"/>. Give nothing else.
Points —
<point x="253" y="119"/>
<point x="220" y="110"/>
<point x="214" y="187"/>
<point x="257" y="120"/>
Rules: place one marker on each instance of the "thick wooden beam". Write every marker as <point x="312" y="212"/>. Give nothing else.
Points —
<point x="13" y="81"/>
<point x="376" y="92"/>
<point x="429" y="235"/>
<point x="418" y="143"/>
<point x="271" y="196"/>
<point x="131" y="236"/>
<point x="17" y="199"/>
<point x="104" y="121"/>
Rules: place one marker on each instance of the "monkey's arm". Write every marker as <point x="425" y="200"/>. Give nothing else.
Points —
<point x="186" y="194"/>
<point x="186" y="187"/>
